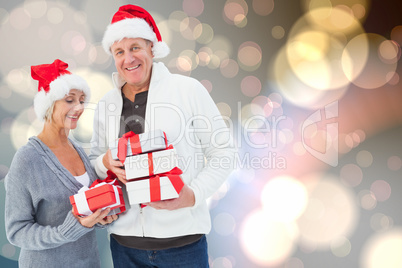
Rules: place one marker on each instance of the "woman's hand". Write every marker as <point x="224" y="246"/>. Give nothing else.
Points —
<point x="98" y="216"/>
<point x="115" y="166"/>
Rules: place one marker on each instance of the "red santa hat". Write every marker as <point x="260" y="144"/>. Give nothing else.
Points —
<point x="55" y="82"/>
<point x="132" y="21"/>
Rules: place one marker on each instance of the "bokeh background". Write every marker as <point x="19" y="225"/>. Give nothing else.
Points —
<point x="310" y="89"/>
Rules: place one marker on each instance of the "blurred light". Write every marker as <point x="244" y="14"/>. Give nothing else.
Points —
<point x="381" y="189"/>
<point x="189" y="29"/>
<point x="175" y="19"/>
<point x="314" y="58"/>
<point x="298" y="149"/>
<point x="341" y="247"/>
<point x="263" y="7"/>
<point x="266" y="242"/>
<point x="364" y="158"/>
<point x="229" y="68"/>
<point x="224" y="224"/>
<point x="193" y="8"/>
<point x="334" y="20"/>
<point x="284" y="198"/>
<point x="351" y="175"/>
<point x="45" y="32"/>
<point x="394" y="163"/>
<point x="389" y="51"/>
<point x="278" y="32"/>
<point x="380" y="222"/>
<point x="396" y="34"/>
<point x="221" y="46"/>
<point x="235" y="11"/>
<point x="8" y="251"/>
<point x="204" y="55"/>
<point x="35" y="8"/>
<point x="363" y="64"/>
<point x="4" y="16"/>
<point x="224" y="109"/>
<point x="331" y="212"/>
<point x="204" y="33"/>
<point x="367" y="200"/>
<point x="24" y="127"/>
<point x="207" y="84"/>
<point x="20" y="19"/>
<point x="55" y="15"/>
<point x="294" y="90"/>
<point x="259" y="105"/>
<point x="293" y="263"/>
<point x="310" y="5"/>
<point x="244" y="175"/>
<point x="359" y="11"/>
<point x="222" y="262"/>
<point x="250" y="86"/>
<point x="5" y="125"/>
<point x="383" y="250"/>
<point x="248" y="118"/>
<point x="249" y="56"/>
<point x="80" y="17"/>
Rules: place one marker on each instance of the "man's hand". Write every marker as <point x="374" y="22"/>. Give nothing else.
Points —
<point x="115" y="166"/>
<point x="186" y="199"/>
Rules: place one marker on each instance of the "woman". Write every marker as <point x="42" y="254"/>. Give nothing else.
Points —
<point x="45" y="172"/>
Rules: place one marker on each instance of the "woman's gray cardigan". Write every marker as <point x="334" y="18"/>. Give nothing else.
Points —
<point x="38" y="216"/>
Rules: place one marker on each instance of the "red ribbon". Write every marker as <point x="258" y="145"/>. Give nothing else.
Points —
<point x="135" y="145"/>
<point x="110" y="178"/>
<point x="150" y="164"/>
<point x="155" y="186"/>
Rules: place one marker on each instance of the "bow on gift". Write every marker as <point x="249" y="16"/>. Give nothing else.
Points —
<point x="135" y="145"/>
<point x="155" y="187"/>
<point x="110" y="179"/>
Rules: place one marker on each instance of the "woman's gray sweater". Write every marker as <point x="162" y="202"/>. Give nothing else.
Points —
<point x="38" y="216"/>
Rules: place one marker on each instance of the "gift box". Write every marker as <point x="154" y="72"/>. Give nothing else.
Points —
<point x="154" y="188"/>
<point x="145" y="165"/>
<point x="131" y="144"/>
<point x="101" y="195"/>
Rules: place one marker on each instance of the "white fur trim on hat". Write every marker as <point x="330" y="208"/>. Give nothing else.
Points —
<point x="58" y="89"/>
<point x="133" y="28"/>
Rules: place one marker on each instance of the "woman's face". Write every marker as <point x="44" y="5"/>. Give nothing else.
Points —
<point x="68" y="110"/>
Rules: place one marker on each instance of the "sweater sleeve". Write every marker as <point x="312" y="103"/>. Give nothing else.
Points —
<point x="99" y="141"/>
<point x="22" y="227"/>
<point x="216" y="142"/>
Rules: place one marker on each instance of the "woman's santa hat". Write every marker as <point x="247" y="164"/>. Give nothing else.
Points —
<point x="55" y="82"/>
<point x="132" y="21"/>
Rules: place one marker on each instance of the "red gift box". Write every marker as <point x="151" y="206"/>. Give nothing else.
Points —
<point x="101" y="194"/>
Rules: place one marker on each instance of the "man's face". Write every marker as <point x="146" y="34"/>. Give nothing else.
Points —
<point x="133" y="60"/>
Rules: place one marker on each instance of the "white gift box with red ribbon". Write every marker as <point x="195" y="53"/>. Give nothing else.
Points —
<point x="132" y="144"/>
<point x="148" y="164"/>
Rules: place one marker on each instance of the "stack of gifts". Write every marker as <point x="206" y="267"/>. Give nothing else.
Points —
<point x="101" y="194"/>
<point x="151" y="167"/>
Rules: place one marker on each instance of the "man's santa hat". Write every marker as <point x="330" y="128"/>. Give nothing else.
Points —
<point x="132" y="21"/>
<point x="55" y="82"/>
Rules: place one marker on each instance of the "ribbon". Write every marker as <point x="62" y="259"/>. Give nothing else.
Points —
<point x="135" y="145"/>
<point x="81" y="199"/>
<point x="155" y="187"/>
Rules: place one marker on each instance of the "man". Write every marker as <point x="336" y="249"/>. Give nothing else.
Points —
<point x="147" y="97"/>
